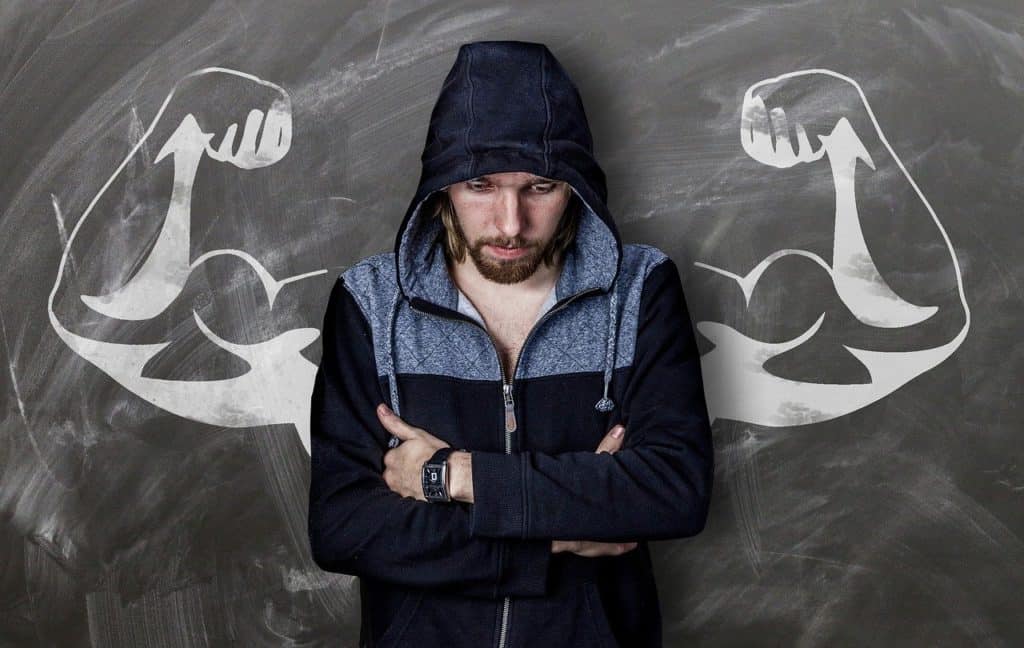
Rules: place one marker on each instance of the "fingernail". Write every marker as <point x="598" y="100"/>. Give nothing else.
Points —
<point x="617" y="432"/>
<point x="384" y="409"/>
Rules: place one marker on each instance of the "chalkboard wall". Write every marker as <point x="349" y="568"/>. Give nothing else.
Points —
<point x="840" y="184"/>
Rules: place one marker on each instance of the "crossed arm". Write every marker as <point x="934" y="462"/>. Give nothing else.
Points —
<point x="403" y="466"/>
<point x="657" y="486"/>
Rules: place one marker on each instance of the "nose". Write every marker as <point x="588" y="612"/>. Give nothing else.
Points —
<point x="511" y="216"/>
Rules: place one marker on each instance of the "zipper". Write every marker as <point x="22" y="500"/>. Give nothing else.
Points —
<point x="510" y="411"/>
<point x="507" y="387"/>
<point x="509" y="403"/>
<point x="510" y="418"/>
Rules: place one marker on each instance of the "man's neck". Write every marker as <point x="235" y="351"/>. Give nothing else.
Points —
<point x="480" y="289"/>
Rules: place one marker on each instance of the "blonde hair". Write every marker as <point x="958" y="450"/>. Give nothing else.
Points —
<point x="456" y="247"/>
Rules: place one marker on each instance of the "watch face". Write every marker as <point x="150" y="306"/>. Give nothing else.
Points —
<point x="433" y="483"/>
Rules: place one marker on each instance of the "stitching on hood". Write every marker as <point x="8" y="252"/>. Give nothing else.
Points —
<point x="469" y="113"/>
<point x="547" y="113"/>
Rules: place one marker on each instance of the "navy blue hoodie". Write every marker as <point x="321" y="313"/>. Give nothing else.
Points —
<point x="617" y="346"/>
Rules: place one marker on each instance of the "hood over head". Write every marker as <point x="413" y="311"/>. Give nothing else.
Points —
<point x="509" y="106"/>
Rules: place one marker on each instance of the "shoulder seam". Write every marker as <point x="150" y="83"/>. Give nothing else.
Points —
<point x="656" y="263"/>
<point x="359" y="303"/>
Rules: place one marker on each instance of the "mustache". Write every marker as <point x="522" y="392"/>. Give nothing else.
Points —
<point x="506" y="243"/>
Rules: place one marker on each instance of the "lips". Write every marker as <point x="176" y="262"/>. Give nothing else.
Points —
<point x="507" y="253"/>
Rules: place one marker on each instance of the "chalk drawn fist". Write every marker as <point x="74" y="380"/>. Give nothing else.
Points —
<point x="230" y="116"/>
<point x="789" y="119"/>
<point x="273" y="129"/>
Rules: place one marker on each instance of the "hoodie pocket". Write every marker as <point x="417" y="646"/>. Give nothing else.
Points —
<point x="400" y="621"/>
<point x="432" y="618"/>
<point x="598" y="616"/>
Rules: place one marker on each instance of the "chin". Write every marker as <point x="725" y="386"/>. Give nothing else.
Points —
<point x="507" y="272"/>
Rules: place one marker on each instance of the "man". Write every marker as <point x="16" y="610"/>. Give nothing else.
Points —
<point x="508" y="332"/>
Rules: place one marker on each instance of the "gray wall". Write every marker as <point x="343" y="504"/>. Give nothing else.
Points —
<point x="864" y="497"/>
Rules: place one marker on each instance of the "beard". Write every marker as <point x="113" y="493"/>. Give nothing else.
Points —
<point x="504" y="271"/>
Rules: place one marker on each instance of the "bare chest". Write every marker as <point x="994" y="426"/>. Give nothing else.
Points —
<point x="508" y="331"/>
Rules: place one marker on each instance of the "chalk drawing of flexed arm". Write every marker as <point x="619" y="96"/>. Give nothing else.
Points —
<point x="737" y="384"/>
<point x="275" y="388"/>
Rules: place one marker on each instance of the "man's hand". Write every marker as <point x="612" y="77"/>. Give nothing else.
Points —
<point x="403" y="465"/>
<point x="592" y="548"/>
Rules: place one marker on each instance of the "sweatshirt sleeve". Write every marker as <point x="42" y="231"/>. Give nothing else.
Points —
<point x="657" y="486"/>
<point x="357" y="525"/>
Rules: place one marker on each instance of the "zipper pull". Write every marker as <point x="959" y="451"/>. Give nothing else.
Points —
<point x="510" y="409"/>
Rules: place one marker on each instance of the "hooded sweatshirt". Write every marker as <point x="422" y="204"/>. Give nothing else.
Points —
<point x="614" y="344"/>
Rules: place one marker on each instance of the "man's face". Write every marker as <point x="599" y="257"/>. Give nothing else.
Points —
<point x="507" y="221"/>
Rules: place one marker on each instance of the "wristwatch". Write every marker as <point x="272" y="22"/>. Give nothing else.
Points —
<point x="435" y="475"/>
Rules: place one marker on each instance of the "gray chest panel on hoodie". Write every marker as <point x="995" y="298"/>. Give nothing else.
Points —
<point x="571" y="339"/>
